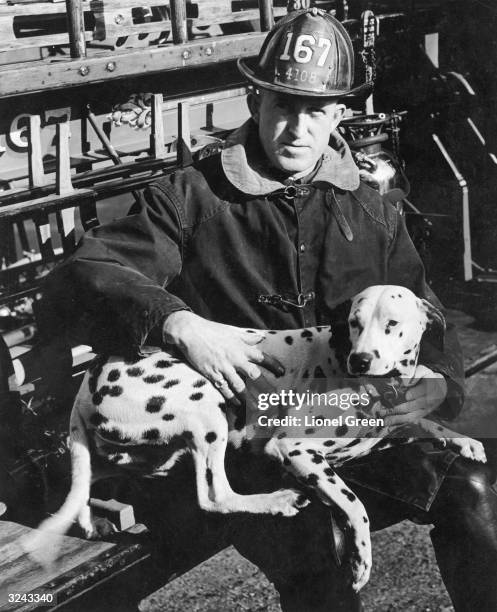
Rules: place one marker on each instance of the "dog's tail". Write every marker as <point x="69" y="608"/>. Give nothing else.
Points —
<point x="44" y="544"/>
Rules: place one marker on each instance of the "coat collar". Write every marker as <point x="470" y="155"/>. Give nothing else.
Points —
<point x="247" y="171"/>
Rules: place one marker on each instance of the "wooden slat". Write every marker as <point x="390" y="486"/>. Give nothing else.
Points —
<point x="184" y="154"/>
<point x="178" y="21"/>
<point x="40" y="76"/>
<point x="43" y="233"/>
<point x="76" y="26"/>
<point x="35" y="156"/>
<point x="63" y="160"/>
<point x="157" y="146"/>
<point x="18" y="573"/>
<point x="67" y="229"/>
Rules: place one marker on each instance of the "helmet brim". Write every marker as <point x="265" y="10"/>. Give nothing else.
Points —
<point x="249" y="74"/>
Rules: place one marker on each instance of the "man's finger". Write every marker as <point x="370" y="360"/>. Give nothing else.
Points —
<point x="402" y="419"/>
<point x="272" y="364"/>
<point x="235" y="382"/>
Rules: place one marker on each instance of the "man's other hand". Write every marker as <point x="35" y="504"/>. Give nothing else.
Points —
<point x="425" y="394"/>
<point x="223" y="353"/>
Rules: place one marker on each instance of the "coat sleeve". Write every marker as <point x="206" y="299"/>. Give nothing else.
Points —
<point x="441" y="354"/>
<point x="112" y="291"/>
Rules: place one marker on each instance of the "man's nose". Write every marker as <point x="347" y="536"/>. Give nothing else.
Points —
<point x="297" y="125"/>
<point x="359" y="362"/>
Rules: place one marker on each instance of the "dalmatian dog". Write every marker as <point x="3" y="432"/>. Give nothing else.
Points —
<point x="143" y="415"/>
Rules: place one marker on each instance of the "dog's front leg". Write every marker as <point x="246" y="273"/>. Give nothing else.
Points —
<point x="305" y="460"/>
<point x="468" y="447"/>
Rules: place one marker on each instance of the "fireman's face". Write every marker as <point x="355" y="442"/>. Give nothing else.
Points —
<point x="294" y="130"/>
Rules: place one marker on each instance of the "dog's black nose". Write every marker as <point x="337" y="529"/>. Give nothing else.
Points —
<point x="360" y="362"/>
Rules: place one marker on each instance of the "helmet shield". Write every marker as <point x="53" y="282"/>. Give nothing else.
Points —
<point x="307" y="53"/>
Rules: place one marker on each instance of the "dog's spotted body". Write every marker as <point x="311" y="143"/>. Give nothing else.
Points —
<point x="143" y="415"/>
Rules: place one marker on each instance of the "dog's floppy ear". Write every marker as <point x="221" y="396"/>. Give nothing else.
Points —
<point x="435" y="322"/>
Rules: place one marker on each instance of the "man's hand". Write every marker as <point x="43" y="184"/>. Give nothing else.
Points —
<point x="426" y="393"/>
<point x="223" y="353"/>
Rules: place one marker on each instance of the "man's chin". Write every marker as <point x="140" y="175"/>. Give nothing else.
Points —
<point x="294" y="165"/>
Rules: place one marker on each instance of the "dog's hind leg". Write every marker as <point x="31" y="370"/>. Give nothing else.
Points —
<point x="214" y="491"/>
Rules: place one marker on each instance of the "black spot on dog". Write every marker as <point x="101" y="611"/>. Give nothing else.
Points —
<point x="311" y="451"/>
<point x="170" y="383"/>
<point x="211" y="437"/>
<point x="135" y="371"/>
<point x="298" y="443"/>
<point x="164" y="363"/>
<point x="187" y="435"/>
<point x="411" y="362"/>
<point x="114" y="435"/>
<point x="113" y="375"/>
<point x="353" y="443"/>
<point x="309" y="431"/>
<point x="92" y="384"/>
<point x="329" y="443"/>
<point x="349" y="495"/>
<point x="271" y="331"/>
<point x="312" y="480"/>
<point x="168" y="416"/>
<point x="294" y="453"/>
<point x="104" y="390"/>
<point x="286" y="461"/>
<point x="376" y="354"/>
<point x="281" y="435"/>
<point x="195" y="397"/>
<point x="387" y="331"/>
<point x="96" y="419"/>
<point x="97" y="398"/>
<point x="403" y="362"/>
<point x="208" y="477"/>
<point x="222" y="407"/>
<point x="318" y="372"/>
<point x="341" y="430"/>
<point x="401" y="334"/>
<point x="407" y="352"/>
<point x="399" y="295"/>
<point x="155" y="403"/>
<point x="151" y="434"/>
<point x="250" y="331"/>
<point x="329" y="471"/>
<point x="363" y="543"/>
<point x="115" y="391"/>
<point x="318" y="459"/>
<point x="289" y="340"/>
<point x="153" y="378"/>
<point x="199" y="383"/>
<point x="365" y="519"/>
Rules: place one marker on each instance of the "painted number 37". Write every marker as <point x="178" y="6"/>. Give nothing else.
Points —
<point x="305" y="46"/>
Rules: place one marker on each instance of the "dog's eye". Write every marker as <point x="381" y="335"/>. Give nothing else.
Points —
<point x="354" y="323"/>
<point x="392" y="323"/>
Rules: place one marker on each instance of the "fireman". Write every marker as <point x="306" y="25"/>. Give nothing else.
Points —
<point x="277" y="231"/>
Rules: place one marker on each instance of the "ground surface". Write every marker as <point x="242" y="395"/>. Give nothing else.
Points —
<point x="405" y="577"/>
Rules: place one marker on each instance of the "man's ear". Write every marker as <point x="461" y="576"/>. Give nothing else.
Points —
<point x="339" y="113"/>
<point x="254" y="103"/>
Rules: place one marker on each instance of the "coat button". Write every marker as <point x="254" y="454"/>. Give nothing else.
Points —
<point x="302" y="247"/>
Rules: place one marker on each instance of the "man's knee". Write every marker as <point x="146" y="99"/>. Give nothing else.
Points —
<point x="468" y="490"/>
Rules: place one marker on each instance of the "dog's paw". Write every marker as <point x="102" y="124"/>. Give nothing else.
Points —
<point x="361" y="562"/>
<point x="42" y="547"/>
<point x="471" y="449"/>
<point x="100" y="528"/>
<point x="288" y="502"/>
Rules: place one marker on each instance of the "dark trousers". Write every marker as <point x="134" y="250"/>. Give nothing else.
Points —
<point x="301" y="555"/>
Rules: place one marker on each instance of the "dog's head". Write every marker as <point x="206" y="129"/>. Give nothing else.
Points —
<point x="386" y="323"/>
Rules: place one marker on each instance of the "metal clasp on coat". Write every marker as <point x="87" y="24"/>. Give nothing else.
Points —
<point x="301" y="300"/>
